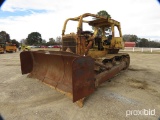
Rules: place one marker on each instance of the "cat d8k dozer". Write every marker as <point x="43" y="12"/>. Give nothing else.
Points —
<point x="87" y="58"/>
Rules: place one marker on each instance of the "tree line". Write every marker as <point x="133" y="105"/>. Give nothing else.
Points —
<point x="35" y="39"/>
<point x="141" y="42"/>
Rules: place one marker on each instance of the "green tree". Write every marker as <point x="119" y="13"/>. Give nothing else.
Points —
<point x="34" y="38"/>
<point x="141" y="42"/>
<point x="144" y="42"/>
<point x="51" y="42"/>
<point x="15" y="42"/>
<point x="43" y="41"/>
<point x="104" y="14"/>
<point x="4" y="37"/>
<point x="130" y="38"/>
<point x="154" y="44"/>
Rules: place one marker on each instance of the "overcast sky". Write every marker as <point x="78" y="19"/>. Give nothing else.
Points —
<point x="21" y="17"/>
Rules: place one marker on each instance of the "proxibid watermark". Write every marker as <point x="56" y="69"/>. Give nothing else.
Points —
<point x="140" y="112"/>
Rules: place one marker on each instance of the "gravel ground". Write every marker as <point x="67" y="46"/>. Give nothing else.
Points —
<point x="134" y="94"/>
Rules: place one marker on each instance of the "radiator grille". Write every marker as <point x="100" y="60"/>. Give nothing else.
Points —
<point x="69" y="43"/>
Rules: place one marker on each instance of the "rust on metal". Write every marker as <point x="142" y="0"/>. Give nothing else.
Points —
<point x="87" y="59"/>
<point x="26" y="62"/>
<point x="83" y="78"/>
<point x="104" y="76"/>
<point x="65" y="71"/>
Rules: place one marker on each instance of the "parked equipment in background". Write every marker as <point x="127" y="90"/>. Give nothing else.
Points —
<point x="88" y="58"/>
<point x="9" y="47"/>
<point x="2" y="48"/>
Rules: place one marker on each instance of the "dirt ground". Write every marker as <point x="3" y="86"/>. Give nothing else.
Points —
<point x="134" y="94"/>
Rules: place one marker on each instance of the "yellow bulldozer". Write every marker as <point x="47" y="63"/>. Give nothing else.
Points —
<point x="2" y="47"/>
<point x="9" y="47"/>
<point x="87" y="59"/>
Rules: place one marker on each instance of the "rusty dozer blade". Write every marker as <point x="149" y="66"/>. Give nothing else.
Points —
<point x="67" y="72"/>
